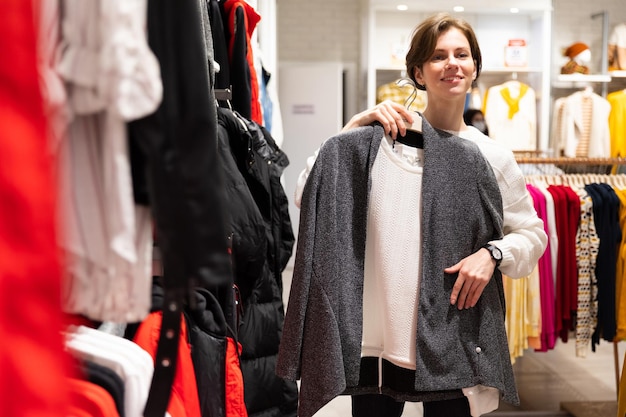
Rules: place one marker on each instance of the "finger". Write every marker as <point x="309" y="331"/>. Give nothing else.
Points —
<point x="388" y="121"/>
<point x="402" y="118"/>
<point x="462" y="301"/>
<point x="395" y="115"/>
<point x="456" y="289"/>
<point x="475" y="294"/>
<point x="452" y="269"/>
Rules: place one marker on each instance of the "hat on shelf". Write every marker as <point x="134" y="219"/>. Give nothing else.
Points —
<point x="575" y="49"/>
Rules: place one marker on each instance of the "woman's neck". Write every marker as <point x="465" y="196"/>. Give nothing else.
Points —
<point x="448" y="116"/>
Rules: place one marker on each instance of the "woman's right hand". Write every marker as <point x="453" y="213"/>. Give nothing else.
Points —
<point x="391" y="115"/>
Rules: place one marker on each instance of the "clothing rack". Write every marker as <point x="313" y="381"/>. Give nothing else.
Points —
<point x="569" y="161"/>
<point x="609" y="166"/>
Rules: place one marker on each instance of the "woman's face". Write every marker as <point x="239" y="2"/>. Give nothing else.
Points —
<point x="450" y="70"/>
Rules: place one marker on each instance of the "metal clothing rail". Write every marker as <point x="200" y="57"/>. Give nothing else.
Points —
<point x="569" y="161"/>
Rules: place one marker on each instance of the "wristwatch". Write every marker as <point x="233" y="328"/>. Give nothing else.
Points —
<point x="495" y="252"/>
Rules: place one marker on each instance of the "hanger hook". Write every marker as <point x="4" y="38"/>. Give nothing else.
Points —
<point x="411" y="98"/>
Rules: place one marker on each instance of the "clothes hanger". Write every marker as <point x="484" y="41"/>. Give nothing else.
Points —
<point x="413" y="136"/>
<point x="225" y="95"/>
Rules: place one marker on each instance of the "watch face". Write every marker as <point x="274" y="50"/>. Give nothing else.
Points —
<point x="496" y="253"/>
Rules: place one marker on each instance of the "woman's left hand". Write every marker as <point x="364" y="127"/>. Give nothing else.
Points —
<point x="475" y="271"/>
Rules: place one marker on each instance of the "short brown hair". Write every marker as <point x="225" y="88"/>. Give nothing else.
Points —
<point x="424" y="42"/>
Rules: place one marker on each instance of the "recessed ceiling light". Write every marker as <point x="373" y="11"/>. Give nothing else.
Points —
<point x="402" y="7"/>
<point x="458" y="8"/>
<point x="514" y="10"/>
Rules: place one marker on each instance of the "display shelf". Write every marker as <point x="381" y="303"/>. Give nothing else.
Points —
<point x="618" y="74"/>
<point x="579" y="80"/>
<point x="510" y="70"/>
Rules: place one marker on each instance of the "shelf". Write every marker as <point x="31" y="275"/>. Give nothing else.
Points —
<point x="618" y="74"/>
<point x="579" y="80"/>
<point x="509" y="70"/>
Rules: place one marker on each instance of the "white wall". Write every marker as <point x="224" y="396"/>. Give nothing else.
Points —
<point x="572" y="22"/>
<point x="311" y="100"/>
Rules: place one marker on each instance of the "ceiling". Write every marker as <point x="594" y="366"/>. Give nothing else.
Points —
<point x="471" y="6"/>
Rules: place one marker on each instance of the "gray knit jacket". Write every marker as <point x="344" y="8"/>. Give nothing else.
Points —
<point x="461" y="211"/>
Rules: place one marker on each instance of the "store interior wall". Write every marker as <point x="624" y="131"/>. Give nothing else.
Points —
<point x="328" y="30"/>
<point x="333" y="31"/>
<point x="572" y="22"/>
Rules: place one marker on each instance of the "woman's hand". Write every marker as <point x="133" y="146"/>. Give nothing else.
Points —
<point x="391" y="115"/>
<point x="475" y="271"/>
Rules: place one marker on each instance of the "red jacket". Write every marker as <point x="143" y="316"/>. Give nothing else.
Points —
<point x="236" y="51"/>
<point x="184" y="396"/>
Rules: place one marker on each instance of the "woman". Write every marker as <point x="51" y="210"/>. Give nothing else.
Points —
<point x="476" y="118"/>
<point x="440" y="338"/>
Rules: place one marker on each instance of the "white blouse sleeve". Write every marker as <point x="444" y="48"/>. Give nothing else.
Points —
<point x="303" y="177"/>
<point x="525" y="238"/>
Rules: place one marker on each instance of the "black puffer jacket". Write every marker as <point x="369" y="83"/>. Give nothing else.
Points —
<point x="262" y="243"/>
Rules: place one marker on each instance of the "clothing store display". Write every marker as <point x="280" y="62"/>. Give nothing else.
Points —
<point x="183" y="401"/>
<point x="220" y="47"/>
<point x="178" y="141"/>
<point x="511" y="113"/>
<point x="129" y="361"/>
<point x="589" y="282"/>
<point x="587" y="246"/>
<point x="582" y="130"/>
<point x="240" y="21"/>
<point x="620" y="269"/>
<point x="579" y="57"/>
<point x="357" y="153"/>
<point x="32" y="360"/>
<point x="617" y="48"/>
<point x="567" y="203"/>
<point x="145" y="227"/>
<point x="107" y="238"/>
<point x="617" y="122"/>
<point x="575" y="49"/>
<point x="573" y="67"/>
<point x="90" y="400"/>
<point x="537" y="331"/>
<point x="605" y="206"/>
<point x="215" y="355"/>
<point x="140" y="172"/>
<point x="262" y="241"/>
<point x="105" y="378"/>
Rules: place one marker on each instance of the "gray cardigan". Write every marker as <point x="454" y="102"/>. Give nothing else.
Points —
<point x="461" y="211"/>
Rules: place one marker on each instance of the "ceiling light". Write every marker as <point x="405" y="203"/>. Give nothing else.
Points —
<point x="514" y="10"/>
<point x="458" y="8"/>
<point x="402" y="7"/>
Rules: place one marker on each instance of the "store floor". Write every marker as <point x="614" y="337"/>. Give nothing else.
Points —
<point x="547" y="381"/>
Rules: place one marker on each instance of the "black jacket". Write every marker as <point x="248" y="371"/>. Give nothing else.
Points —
<point x="262" y="243"/>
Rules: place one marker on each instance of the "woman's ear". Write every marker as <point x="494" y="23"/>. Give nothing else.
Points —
<point x="417" y="74"/>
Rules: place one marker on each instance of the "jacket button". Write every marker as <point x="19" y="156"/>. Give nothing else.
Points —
<point x="478" y="349"/>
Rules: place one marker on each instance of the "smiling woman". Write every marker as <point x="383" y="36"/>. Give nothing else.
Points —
<point x="426" y="323"/>
<point x="444" y="59"/>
